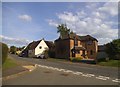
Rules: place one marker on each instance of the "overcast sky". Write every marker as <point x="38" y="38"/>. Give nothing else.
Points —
<point x="23" y="22"/>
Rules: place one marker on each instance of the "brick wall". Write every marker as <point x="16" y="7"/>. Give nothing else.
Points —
<point x="62" y="48"/>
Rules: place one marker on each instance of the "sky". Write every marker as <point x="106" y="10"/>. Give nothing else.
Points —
<point x="23" y="22"/>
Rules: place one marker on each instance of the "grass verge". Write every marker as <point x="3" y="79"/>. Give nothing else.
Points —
<point x="113" y="63"/>
<point x="57" y="59"/>
<point x="9" y="63"/>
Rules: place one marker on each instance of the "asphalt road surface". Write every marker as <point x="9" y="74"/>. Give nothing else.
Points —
<point x="64" y="73"/>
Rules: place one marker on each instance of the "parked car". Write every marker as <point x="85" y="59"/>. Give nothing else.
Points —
<point x="42" y="56"/>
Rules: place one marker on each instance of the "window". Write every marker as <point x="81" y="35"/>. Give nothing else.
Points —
<point x="76" y="42"/>
<point x="40" y="47"/>
<point x="91" y="52"/>
<point x="89" y="42"/>
<point x="77" y="51"/>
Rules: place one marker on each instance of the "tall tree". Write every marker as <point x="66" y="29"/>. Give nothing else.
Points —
<point x="113" y="49"/>
<point x="63" y="30"/>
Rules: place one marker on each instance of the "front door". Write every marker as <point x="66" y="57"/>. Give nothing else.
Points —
<point x="73" y="54"/>
<point x="83" y="53"/>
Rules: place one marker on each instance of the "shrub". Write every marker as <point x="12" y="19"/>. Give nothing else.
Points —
<point x="46" y="53"/>
<point x="13" y="49"/>
<point x="4" y="52"/>
<point x="103" y="59"/>
<point x="76" y="59"/>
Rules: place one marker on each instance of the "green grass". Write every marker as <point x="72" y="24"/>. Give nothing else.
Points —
<point x="57" y="59"/>
<point x="113" y="63"/>
<point x="9" y="63"/>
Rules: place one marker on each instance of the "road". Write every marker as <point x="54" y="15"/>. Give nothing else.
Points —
<point x="65" y="73"/>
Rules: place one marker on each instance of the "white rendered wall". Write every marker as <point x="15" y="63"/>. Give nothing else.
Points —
<point x="43" y="45"/>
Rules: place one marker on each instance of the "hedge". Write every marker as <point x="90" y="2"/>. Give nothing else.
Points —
<point x="76" y="59"/>
<point x="4" y="52"/>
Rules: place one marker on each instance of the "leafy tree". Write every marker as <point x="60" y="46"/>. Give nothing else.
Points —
<point x="20" y="48"/>
<point x="113" y="49"/>
<point x="63" y="30"/>
<point x="13" y="49"/>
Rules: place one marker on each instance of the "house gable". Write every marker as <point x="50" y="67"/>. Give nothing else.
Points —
<point x="41" y="47"/>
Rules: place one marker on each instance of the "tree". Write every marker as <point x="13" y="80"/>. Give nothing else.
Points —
<point x="63" y="30"/>
<point x="20" y="48"/>
<point x="13" y="49"/>
<point x="113" y="49"/>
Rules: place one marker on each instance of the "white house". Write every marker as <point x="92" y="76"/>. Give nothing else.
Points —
<point x="37" y="47"/>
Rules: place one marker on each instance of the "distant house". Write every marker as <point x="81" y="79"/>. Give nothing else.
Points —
<point x="36" y="48"/>
<point x="76" y="46"/>
<point x="101" y="52"/>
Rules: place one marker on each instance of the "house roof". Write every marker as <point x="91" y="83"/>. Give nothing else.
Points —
<point x="82" y="38"/>
<point x="87" y="38"/>
<point x="50" y="44"/>
<point x="34" y="44"/>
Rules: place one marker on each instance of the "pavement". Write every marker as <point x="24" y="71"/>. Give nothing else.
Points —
<point x="64" y="73"/>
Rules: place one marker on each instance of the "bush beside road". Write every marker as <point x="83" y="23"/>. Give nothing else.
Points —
<point x="4" y="48"/>
<point x="112" y="63"/>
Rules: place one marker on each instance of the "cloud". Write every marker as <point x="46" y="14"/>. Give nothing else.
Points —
<point x="25" y="17"/>
<point x="14" y="41"/>
<point x="52" y="22"/>
<point x="110" y="7"/>
<point x="98" y="24"/>
<point x="70" y="17"/>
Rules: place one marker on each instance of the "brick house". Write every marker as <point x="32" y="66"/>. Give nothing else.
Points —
<point x="76" y="46"/>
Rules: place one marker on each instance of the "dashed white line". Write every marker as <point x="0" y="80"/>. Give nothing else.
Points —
<point x="88" y="75"/>
<point x="68" y="71"/>
<point x="102" y="77"/>
<point x="116" y="80"/>
<point x="77" y="73"/>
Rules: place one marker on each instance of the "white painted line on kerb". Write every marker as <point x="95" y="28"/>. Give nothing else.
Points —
<point x="68" y="71"/>
<point x="61" y="69"/>
<point x="116" y="80"/>
<point x="56" y="69"/>
<point x="88" y="75"/>
<point x="102" y="77"/>
<point x="77" y="73"/>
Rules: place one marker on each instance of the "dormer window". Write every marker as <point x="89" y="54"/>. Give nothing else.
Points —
<point x="40" y="47"/>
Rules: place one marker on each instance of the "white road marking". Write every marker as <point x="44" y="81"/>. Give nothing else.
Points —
<point x="78" y="73"/>
<point x="102" y="77"/>
<point x="61" y="69"/>
<point x="68" y="71"/>
<point x="88" y="75"/>
<point x="116" y="80"/>
<point x="56" y="69"/>
<point x="51" y="68"/>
